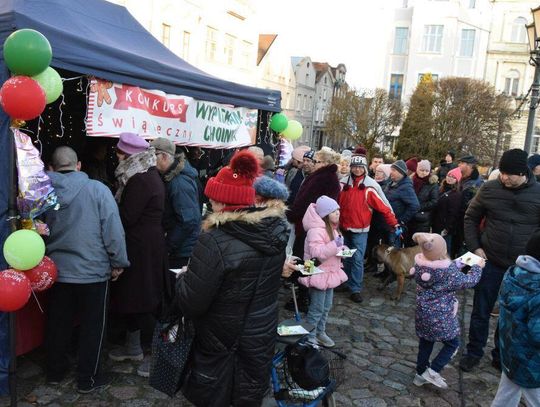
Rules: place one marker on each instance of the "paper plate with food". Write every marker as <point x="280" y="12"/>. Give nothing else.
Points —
<point x="346" y="252"/>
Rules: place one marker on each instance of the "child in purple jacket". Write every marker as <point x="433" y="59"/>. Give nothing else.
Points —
<point x="437" y="280"/>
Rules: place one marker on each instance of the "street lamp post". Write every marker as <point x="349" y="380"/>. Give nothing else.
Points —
<point x="534" y="49"/>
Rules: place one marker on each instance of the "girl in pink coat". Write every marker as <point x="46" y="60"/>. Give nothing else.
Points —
<point x="323" y="242"/>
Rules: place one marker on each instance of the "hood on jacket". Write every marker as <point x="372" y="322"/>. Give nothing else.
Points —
<point x="428" y="273"/>
<point x="176" y="167"/>
<point x="525" y="281"/>
<point x="311" y="219"/>
<point x="68" y="185"/>
<point x="263" y="227"/>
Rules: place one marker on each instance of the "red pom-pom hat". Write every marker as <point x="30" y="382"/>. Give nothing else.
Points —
<point x="233" y="185"/>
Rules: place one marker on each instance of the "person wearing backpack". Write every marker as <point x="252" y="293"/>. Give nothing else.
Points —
<point x="323" y="242"/>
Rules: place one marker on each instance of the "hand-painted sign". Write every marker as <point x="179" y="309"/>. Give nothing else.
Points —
<point x="117" y="108"/>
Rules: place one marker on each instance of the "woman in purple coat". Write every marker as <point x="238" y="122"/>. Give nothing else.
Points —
<point x="141" y="197"/>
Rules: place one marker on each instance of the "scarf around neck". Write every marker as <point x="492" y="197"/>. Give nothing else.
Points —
<point x="418" y="182"/>
<point x="134" y="164"/>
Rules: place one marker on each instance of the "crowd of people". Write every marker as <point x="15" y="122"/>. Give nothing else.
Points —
<point x="233" y="259"/>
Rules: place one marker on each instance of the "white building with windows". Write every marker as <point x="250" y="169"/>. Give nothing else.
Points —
<point x="440" y="37"/>
<point x="305" y="75"/>
<point x="220" y="38"/>
<point x="507" y="66"/>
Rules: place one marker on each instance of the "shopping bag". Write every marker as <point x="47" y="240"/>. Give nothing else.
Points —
<point x="171" y="345"/>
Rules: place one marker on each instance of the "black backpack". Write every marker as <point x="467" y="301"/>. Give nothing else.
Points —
<point x="307" y="366"/>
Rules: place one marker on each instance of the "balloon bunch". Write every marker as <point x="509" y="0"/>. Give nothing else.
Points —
<point x="27" y="54"/>
<point x="24" y="251"/>
<point x="289" y="129"/>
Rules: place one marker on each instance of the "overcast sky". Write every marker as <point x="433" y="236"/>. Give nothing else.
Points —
<point x="337" y="31"/>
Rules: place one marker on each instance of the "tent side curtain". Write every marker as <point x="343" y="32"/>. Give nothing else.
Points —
<point x="5" y="161"/>
<point x="99" y="38"/>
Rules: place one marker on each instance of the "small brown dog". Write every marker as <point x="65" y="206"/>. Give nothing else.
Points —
<point x="398" y="261"/>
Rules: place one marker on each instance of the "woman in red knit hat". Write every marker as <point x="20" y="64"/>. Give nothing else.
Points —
<point x="230" y="290"/>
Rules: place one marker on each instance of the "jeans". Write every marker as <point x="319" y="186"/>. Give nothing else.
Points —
<point x="319" y="307"/>
<point x="446" y="354"/>
<point x="485" y="296"/>
<point x="65" y="300"/>
<point x="354" y="266"/>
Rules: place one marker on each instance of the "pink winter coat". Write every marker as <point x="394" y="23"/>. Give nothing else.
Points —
<point x="319" y="245"/>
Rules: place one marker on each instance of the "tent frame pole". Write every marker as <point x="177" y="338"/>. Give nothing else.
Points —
<point x="12" y="216"/>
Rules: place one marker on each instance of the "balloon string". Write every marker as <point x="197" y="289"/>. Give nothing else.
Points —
<point x="39" y="305"/>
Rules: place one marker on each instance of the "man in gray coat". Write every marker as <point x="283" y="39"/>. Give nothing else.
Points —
<point x="510" y="208"/>
<point x="87" y="244"/>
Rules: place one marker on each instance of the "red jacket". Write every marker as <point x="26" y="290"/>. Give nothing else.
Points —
<point x="357" y="203"/>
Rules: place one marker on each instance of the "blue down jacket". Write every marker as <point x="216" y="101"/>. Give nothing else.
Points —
<point x="519" y="322"/>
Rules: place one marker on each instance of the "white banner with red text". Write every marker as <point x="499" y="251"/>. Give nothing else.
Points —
<point x="115" y="108"/>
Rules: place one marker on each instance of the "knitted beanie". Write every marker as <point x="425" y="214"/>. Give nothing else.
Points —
<point x="533" y="161"/>
<point x="325" y="206"/>
<point x="400" y="166"/>
<point x="412" y="164"/>
<point x="456" y="173"/>
<point x="514" y="162"/>
<point x="233" y="185"/>
<point x="433" y="245"/>
<point x="270" y="188"/>
<point x="533" y="246"/>
<point x="309" y="154"/>
<point x="424" y="165"/>
<point x="359" y="161"/>
<point x="385" y="168"/>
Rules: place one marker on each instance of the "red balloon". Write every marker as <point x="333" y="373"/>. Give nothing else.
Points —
<point x="22" y="98"/>
<point x="14" y="290"/>
<point x="43" y="276"/>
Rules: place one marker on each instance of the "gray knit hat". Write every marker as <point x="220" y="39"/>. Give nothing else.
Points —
<point x="400" y="166"/>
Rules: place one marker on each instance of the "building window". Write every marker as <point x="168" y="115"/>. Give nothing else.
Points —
<point x="401" y="40"/>
<point x="519" y="32"/>
<point x="472" y="3"/>
<point x="229" y="48"/>
<point x="211" y="43"/>
<point x="299" y="102"/>
<point x="432" y="38"/>
<point x="305" y="102"/>
<point x="434" y="76"/>
<point x="396" y="86"/>
<point x="166" y="34"/>
<point x="185" y="44"/>
<point x="467" y="43"/>
<point x="511" y="83"/>
<point x="324" y="93"/>
<point x="246" y="54"/>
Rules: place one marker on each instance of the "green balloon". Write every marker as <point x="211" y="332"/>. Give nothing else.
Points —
<point x="27" y="52"/>
<point x="51" y="82"/>
<point x="293" y="130"/>
<point x="279" y="122"/>
<point x="24" y="249"/>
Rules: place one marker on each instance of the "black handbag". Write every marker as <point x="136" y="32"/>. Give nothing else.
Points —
<point x="171" y="346"/>
<point x="307" y="366"/>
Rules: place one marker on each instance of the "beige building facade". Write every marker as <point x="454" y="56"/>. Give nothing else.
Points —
<point x="507" y="62"/>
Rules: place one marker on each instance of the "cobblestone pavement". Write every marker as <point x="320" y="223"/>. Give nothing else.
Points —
<point x="377" y="336"/>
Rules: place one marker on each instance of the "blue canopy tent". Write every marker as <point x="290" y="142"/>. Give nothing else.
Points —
<point x="98" y="38"/>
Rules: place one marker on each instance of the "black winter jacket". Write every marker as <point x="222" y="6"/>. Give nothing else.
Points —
<point x="511" y="216"/>
<point x="427" y="197"/>
<point x="233" y="347"/>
